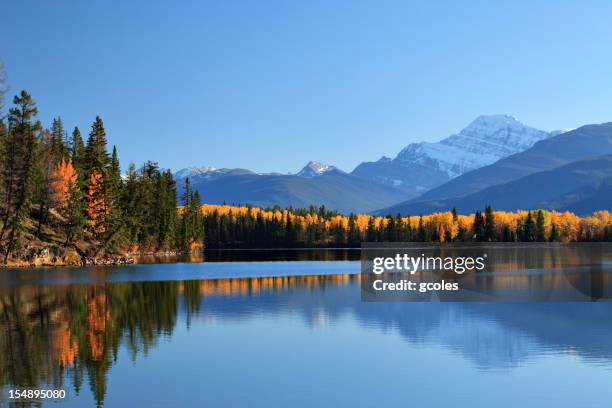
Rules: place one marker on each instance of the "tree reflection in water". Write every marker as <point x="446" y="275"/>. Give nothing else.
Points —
<point x="50" y="333"/>
<point x="70" y="335"/>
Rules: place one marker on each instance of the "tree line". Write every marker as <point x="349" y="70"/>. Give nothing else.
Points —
<point x="58" y="188"/>
<point x="230" y="226"/>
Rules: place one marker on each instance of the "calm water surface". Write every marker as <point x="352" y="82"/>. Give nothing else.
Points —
<point x="287" y="333"/>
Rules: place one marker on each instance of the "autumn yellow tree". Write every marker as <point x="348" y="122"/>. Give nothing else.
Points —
<point x="96" y="208"/>
<point x="65" y="176"/>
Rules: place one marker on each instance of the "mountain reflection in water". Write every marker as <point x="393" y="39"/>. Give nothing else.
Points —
<point x="72" y="335"/>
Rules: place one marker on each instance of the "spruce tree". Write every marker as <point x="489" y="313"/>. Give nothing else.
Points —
<point x="371" y="230"/>
<point x="529" y="230"/>
<point x="19" y="155"/>
<point x="540" y="227"/>
<point x="490" y="234"/>
<point x="113" y="195"/>
<point x="354" y="236"/>
<point x="478" y="228"/>
<point x="73" y="213"/>
<point x="59" y="149"/>
<point x="44" y="193"/>
<point x="96" y="155"/>
<point x="554" y="233"/>
<point x="77" y="152"/>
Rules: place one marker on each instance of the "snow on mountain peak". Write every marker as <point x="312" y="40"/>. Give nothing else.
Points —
<point x="314" y="169"/>
<point x="193" y="171"/>
<point x="485" y="140"/>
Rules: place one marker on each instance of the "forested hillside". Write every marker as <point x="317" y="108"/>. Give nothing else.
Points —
<point x="63" y="198"/>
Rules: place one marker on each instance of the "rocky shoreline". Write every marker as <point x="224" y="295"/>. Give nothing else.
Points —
<point x="37" y="257"/>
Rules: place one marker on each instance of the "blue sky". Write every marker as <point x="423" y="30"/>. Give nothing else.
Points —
<point x="269" y="85"/>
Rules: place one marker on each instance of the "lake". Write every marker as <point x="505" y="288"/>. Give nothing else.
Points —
<point x="288" y="329"/>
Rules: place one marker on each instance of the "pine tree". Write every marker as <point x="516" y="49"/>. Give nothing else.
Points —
<point x="554" y="234"/>
<point x="19" y="154"/>
<point x="96" y="156"/>
<point x="529" y="230"/>
<point x="77" y="151"/>
<point x="112" y="187"/>
<point x="167" y="216"/>
<point x="479" y="227"/>
<point x="490" y="234"/>
<point x="59" y="149"/>
<point x="422" y="233"/>
<point x="371" y="230"/>
<point x="44" y="194"/>
<point x="354" y="236"/>
<point x="540" y="227"/>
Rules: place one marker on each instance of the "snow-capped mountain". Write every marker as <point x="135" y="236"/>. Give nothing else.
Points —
<point x="207" y="173"/>
<point x="315" y="169"/>
<point x="421" y="166"/>
<point x="193" y="171"/>
<point x="484" y="141"/>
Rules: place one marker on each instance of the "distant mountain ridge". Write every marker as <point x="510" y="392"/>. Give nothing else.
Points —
<point x="422" y="166"/>
<point x="316" y="184"/>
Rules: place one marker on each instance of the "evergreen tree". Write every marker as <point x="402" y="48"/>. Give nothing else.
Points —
<point x="112" y="191"/>
<point x="44" y="194"/>
<point x="77" y="152"/>
<point x="490" y="234"/>
<point x="529" y="230"/>
<point x="554" y="234"/>
<point x="540" y="227"/>
<point x="422" y="233"/>
<point x="354" y="236"/>
<point x="192" y="233"/>
<point x="479" y="227"/>
<point x="391" y="232"/>
<point x="19" y="155"/>
<point x="73" y="213"/>
<point x="58" y="147"/>
<point x="371" y="230"/>
<point x="96" y="155"/>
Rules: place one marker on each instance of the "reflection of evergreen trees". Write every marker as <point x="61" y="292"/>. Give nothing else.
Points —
<point x="49" y="334"/>
<point x="56" y="332"/>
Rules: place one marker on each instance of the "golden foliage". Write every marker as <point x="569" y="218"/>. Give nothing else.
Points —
<point x="570" y="226"/>
<point x="64" y="176"/>
<point x="96" y="209"/>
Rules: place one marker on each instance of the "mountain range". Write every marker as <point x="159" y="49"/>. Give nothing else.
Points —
<point x="489" y="184"/>
<point x="495" y="160"/>
<point x="422" y="166"/>
<point x="573" y="186"/>
<point x="316" y="184"/>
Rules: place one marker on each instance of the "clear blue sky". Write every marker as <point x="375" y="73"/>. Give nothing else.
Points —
<point x="269" y="85"/>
